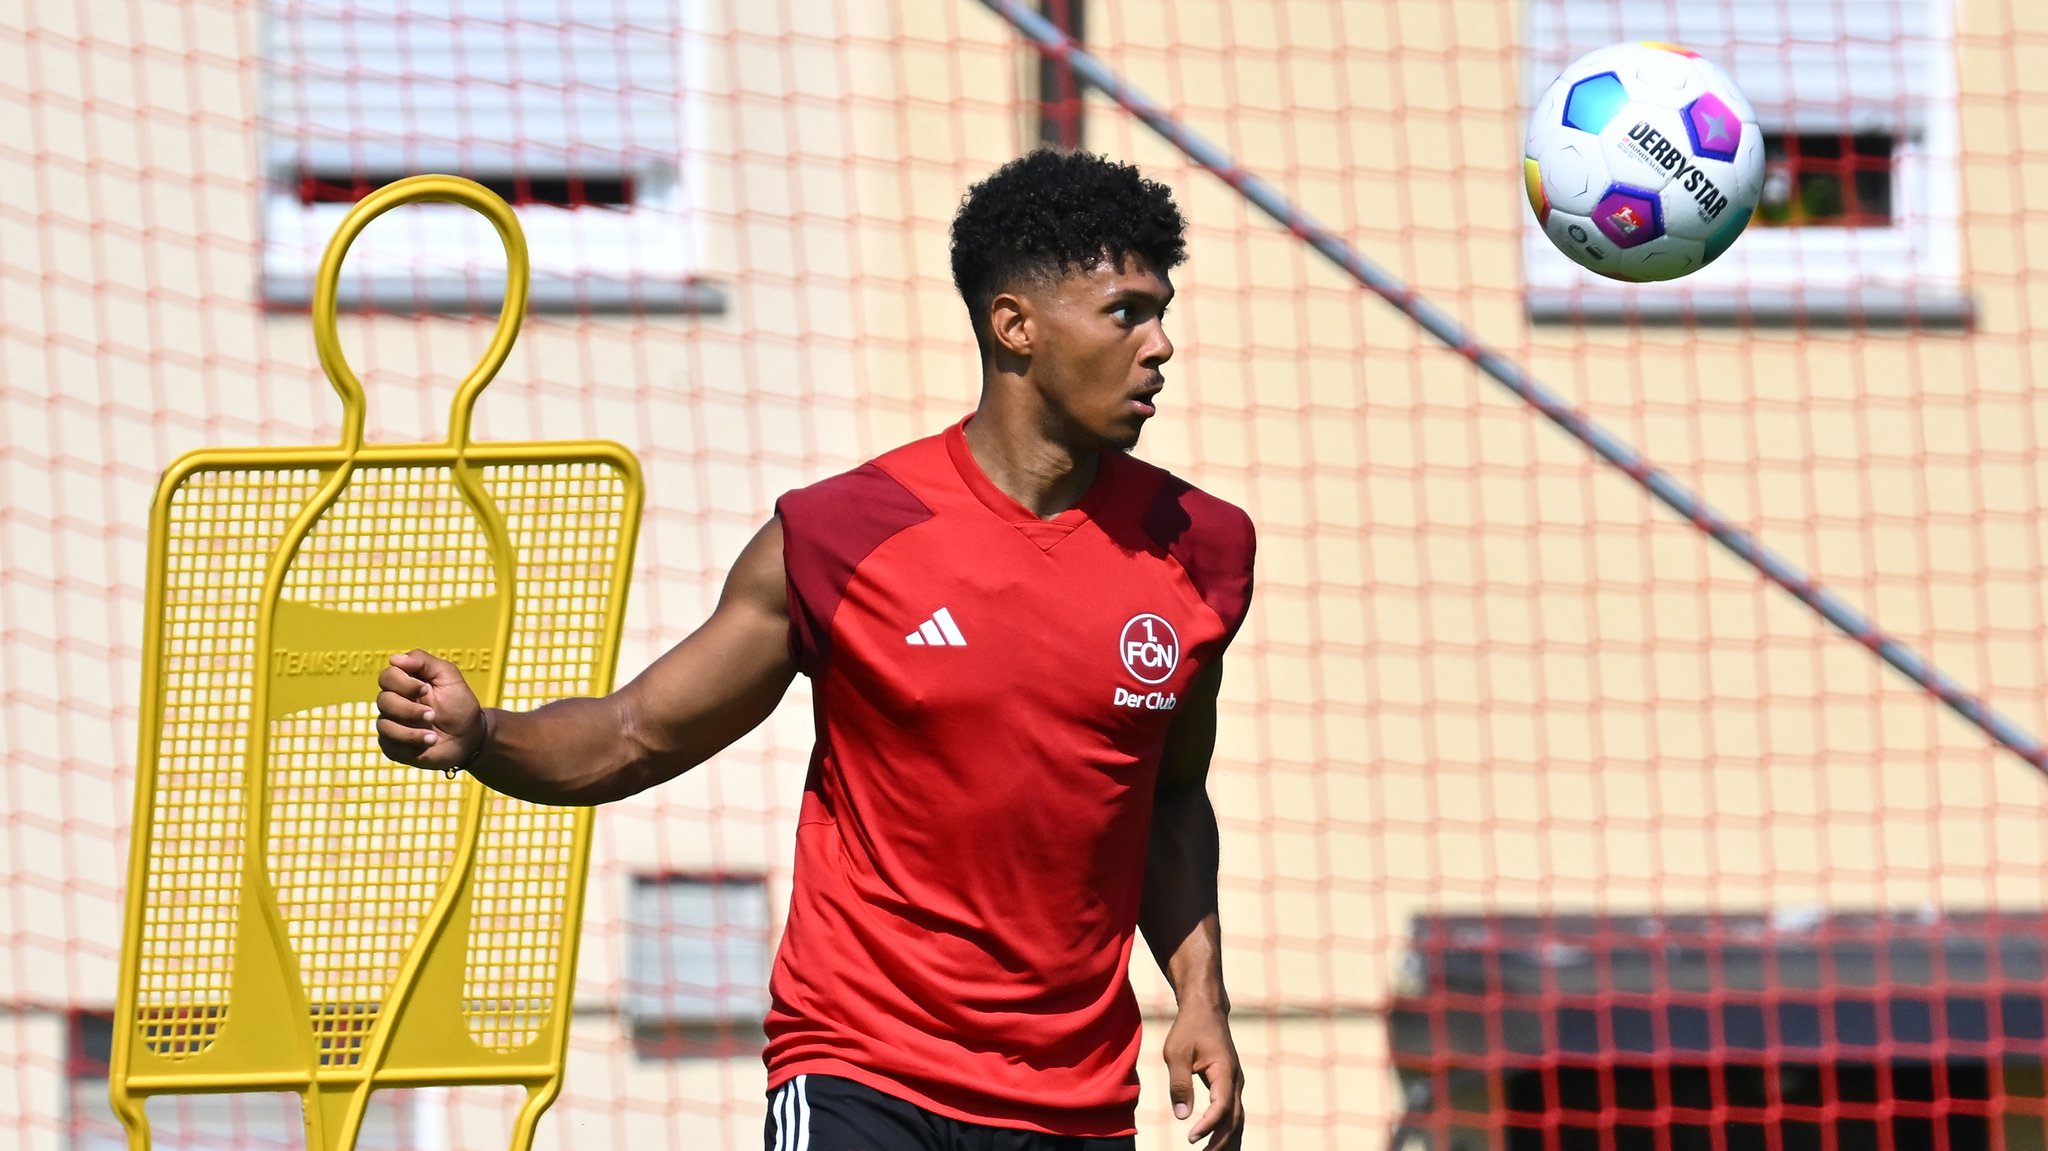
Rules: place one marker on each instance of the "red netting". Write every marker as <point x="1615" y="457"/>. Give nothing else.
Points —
<point x="1541" y="813"/>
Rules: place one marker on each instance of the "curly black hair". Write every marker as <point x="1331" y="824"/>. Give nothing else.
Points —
<point x="1049" y="213"/>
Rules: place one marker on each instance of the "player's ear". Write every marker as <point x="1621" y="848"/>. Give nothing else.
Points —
<point x="1009" y="323"/>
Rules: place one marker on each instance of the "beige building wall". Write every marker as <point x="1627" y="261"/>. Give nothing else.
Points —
<point x="1483" y="672"/>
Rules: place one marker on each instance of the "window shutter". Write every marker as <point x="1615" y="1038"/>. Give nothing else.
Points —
<point x="1823" y="66"/>
<point x="481" y="88"/>
<point x="697" y="950"/>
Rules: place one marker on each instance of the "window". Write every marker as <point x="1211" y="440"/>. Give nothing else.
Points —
<point x="574" y="111"/>
<point x="697" y="964"/>
<point x="1828" y="180"/>
<point x="1857" y="100"/>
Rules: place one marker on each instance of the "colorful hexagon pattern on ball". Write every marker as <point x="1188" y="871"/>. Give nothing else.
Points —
<point x="1629" y="217"/>
<point x="1594" y="101"/>
<point x="1715" y="129"/>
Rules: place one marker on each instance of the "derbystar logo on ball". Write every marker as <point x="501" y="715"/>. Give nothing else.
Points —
<point x="1653" y="148"/>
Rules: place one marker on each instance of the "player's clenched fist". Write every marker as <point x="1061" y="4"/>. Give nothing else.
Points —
<point x="427" y="716"/>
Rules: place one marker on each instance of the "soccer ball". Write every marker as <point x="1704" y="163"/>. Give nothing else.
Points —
<point x="1643" y="161"/>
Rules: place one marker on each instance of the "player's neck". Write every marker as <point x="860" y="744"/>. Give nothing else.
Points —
<point x="1028" y="465"/>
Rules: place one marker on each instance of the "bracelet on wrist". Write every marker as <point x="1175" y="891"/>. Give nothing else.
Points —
<point x="474" y="752"/>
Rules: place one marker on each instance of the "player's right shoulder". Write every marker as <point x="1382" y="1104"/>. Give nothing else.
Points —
<point x="829" y="529"/>
<point x="857" y="508"/>
<point x="882" y="491"/>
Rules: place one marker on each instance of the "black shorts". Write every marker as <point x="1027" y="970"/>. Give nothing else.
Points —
<point x="826" y="1113"/>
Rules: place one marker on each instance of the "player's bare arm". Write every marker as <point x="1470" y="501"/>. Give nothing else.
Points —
<point x="700" y="696"/>
<point x="1179" y="918"/>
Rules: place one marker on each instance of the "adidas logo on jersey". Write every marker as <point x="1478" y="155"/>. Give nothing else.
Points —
<point x="938" y="631"/>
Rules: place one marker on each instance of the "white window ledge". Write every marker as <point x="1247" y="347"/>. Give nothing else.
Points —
<point x="1814" y="307"/>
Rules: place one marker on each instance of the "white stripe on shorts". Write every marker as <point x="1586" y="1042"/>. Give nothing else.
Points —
<point x="790" y="1107"/>
<point x="803" y="1102"/>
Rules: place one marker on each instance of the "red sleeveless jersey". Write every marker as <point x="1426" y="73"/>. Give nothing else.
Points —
<point x="993" y="692"/>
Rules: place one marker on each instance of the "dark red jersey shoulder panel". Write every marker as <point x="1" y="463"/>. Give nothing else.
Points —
<point x="828" y="528"/>
<point x="1212" y="540"/>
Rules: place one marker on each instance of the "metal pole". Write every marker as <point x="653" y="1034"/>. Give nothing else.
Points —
<point x="1059" y="92"/>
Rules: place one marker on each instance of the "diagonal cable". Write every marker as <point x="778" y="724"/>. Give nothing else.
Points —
<point x="1050" y="41"/>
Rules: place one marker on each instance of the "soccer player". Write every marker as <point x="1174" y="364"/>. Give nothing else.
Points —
<point x="1014" y="633"/>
